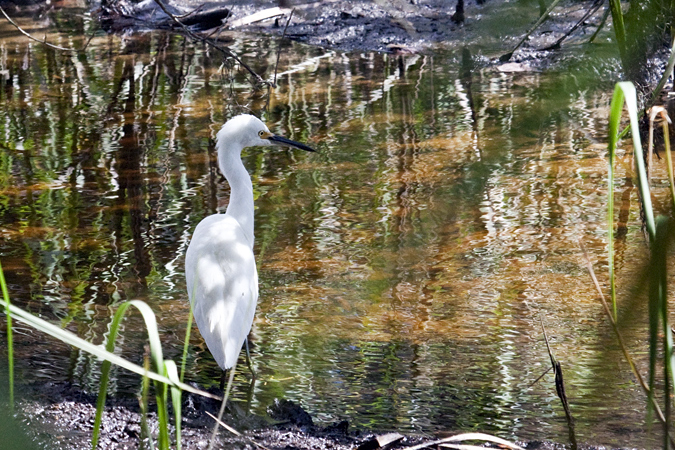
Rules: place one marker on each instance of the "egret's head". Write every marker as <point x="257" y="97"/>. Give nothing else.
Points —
<point x="249" y="131"/>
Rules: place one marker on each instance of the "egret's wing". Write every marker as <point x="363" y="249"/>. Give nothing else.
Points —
<point x="222" y="283"/>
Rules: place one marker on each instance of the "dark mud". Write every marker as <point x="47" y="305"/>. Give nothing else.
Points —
<point x="369" y="25"/>
<point x="59" y="416"/>
<point x="417" y="26"/>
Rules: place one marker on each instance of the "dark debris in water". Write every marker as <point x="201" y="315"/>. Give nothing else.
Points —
<point x="288" y="412"/>
<point x="60" y="416"/>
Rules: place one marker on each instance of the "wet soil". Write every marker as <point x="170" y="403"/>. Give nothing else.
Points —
<point x="59" y="416"/>
<point x="367" y="25"/>
<point x="414" y="25"/>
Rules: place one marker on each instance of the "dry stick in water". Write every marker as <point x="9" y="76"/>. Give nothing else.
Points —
<point x="224" y="50"/>
<point x="29" y="36"/>
<point x="626" y="355"/>
<point x="505" y="57"/>
<point x="602" y="24"/>
<point x="540" y="377"/>
<point x="446" y="442"/>
<point x="655" y="111"/>
<point x="222" y="407"/>
<point x="650" y="145"/>
<point x="233" y="431"/>
<point x="594" y="7"/>
<point x="276" y="66"/>
<point x="560" y="387"/>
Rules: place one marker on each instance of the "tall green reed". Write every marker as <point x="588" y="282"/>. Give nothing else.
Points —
<point x="10" y="339"/>
<point x="659" y="236"/>
<point x="624" y="92"/>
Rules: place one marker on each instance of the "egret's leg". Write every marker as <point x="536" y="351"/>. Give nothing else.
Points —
<point x="248" y="359"/>
<point x="222" y="407"/>
<point x="249" y="395"/>
<point x="223" y="377"/>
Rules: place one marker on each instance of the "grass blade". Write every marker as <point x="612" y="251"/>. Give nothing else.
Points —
<point x="186" y="345"/>
<point x="10" y="340"/>
<point x="171" y="371"/>
<point x="157" y="363"/>
<point x="619" y="28"/>
<point x="96" y="350"/>
<point x="168" y="369"/>
<point x="624" y="349"/>
<point x="145" y="389"/>
<point x="658" y="301"/>
<point x="624" y="93"/>
<point x="660" y="111"/>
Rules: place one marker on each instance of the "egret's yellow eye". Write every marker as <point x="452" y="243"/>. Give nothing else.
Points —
<point x="261" y="133"/>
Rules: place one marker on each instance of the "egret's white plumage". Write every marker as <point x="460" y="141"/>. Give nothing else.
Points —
<point x="220" y="270"/>
<point x="223" y="285"/>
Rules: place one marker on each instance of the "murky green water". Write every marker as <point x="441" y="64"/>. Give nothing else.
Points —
<point x="404" y="268"/>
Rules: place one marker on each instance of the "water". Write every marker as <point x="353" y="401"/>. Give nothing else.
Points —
<point x="405" y="269"/>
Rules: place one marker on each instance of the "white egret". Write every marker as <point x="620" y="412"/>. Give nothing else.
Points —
<point x="220" y="270"/>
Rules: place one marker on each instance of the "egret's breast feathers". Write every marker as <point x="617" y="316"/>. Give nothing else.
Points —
<point x="222" y="282"/>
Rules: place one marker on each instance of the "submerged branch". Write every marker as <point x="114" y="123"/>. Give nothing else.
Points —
<point x="605" y="15"/>
<point x="276" y="66"/>
<point x="224" y="50"/>
<point x="594" y="7"/>
<point x="507" y="56"/>
<point x="30" y="36"/>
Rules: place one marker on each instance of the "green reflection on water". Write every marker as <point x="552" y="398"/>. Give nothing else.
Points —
<point x="403" y="268"/>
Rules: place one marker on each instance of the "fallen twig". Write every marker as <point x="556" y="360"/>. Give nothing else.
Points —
<point x="233" y="431"/>
<point x="594" y="7"/>
<point x="224" y="50"/>
<point x="626" y="355"/>
<point x="276" y="66"/>
<point x="505" y="57"/>
<point x="467" y="437"/>
<point x="605" y="15"/>
<point x="29" y="36"/>
<point x="540" y="377"/>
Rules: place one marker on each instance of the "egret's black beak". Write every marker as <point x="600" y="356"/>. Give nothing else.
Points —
<point x="283" y="141"/>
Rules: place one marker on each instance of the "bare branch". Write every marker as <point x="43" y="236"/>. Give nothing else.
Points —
<point x="224" y="50"/>
<point x="29" y="36"/>
<point x="276" y="66"/>
<point x="594" y="7"/>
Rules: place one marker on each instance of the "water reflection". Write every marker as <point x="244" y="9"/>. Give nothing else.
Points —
<point x="404" y="268"/>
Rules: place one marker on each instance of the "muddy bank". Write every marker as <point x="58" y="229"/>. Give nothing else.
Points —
<point x="415" y="25"/>
<point x="383" y="26"/>
<point x="494" y="32"/>
<point x="60" y="416"/>
<point x="366" y="26"/>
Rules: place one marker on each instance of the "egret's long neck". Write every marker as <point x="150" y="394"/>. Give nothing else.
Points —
<point x="241" y="188"/>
